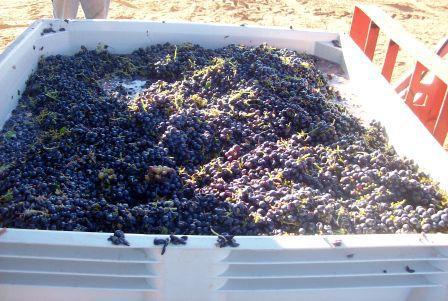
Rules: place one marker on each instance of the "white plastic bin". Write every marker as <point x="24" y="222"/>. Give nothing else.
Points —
<point x="56" y="265"/>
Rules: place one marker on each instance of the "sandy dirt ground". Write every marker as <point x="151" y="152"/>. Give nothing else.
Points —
<point x="426" y="19"/>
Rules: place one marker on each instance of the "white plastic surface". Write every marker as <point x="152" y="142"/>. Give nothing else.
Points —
<point x="49" y="265"/>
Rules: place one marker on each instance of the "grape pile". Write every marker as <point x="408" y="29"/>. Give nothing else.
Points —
<point x="235" y="141"/>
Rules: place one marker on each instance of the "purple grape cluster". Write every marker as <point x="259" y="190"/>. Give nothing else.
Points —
<point x="238" y="140"/>
<point x="296" y="186"/>
<point x="118" y="238"/>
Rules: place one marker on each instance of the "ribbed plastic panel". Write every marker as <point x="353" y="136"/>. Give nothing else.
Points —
<point x="57" y="272"/>
<point x="51" y="265"/>
<point x="375" y="273"/>
<point x="77" y="267"/>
